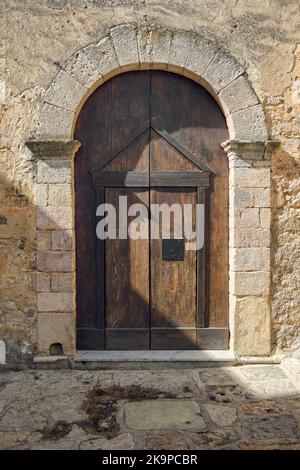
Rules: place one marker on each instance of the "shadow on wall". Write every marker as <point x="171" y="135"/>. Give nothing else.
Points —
<point x="37" y="271"/>
<point x="54" y="244"/>
<point x="17" y="262"/>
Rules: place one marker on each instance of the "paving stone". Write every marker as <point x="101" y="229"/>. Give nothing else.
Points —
<point x="263" y="373"/>
<point x="165" y="442"/>
<point x="228" y="393"/>
<point x="292" y="367"/>
<point x="69" y="415"/>
<point x="219" y="376"/>
<point x="211" y="440"/>
<point x="164" y="414"/>
<point x="19" y="419"/>
<point x="274" y="389"/>
<point x="59" y="445"/>
<point x="121" y="442"/>
<point x="2" y="405"/>
<point x="37" y="400"/>
<point x="12" y="439"/>
<point x="270" y="427"/>
<point x="277" y="446"/>
<point x="264" y="407"/>
<point x="221" y="415"/>
<point x="105" y="380"/>
<point x="179" y="383"/>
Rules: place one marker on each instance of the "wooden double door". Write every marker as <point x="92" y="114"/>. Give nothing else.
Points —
<point x="152" y="138"/>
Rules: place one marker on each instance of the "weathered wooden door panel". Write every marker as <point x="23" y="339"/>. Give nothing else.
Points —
<point x="127" y="281"/>
<point x="191" y="116"/>
<point x="173" y="283"/>
<point x="140" y="128"/>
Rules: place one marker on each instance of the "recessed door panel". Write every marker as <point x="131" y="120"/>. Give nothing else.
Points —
<point x="127" y="279"/>
<point x="173" y="282"/>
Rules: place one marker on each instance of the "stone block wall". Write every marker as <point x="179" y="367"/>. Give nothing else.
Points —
<point x="37" y="264"/>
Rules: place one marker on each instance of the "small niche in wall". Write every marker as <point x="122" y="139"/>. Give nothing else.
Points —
<point x="56" y="349"/>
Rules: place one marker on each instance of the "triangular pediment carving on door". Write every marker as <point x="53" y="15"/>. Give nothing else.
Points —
<point x="126" y="160"/>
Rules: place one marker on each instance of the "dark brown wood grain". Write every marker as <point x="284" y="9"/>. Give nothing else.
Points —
<point x="190" y="115"/>
<point x="173" y="283"/>
<point x="127" y="271"/>
<point x="133" y="129"/>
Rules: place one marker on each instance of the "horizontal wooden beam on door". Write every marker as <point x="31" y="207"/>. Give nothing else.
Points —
<point x="141" y="179"/>
<point x="178" y="179"/>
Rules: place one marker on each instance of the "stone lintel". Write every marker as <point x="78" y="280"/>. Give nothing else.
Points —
<point x="250" y="150"/>
<point x="43" y="149"/>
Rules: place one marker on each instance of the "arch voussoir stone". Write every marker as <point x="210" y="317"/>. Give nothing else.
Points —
<point x="221" y="71"/>
<point x="55" y="123"/>
<point x="103" y="57"/>
<point x="128" y="47"/>
<point x="65" y="92"/>
<point x="248" y="124"/>
<point x="124" y="38"/>
<point x="181" y="45"/>
<point x="237" y="95"/>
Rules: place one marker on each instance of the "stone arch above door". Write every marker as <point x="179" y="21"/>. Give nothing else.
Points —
<point x="128" y="47"/>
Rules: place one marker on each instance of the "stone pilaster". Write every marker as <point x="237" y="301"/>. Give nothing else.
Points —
<point x="249" y="245"/>
<point x="55" y="276"/>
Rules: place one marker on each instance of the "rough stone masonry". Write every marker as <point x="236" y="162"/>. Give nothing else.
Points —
<point x="36" y="39"/>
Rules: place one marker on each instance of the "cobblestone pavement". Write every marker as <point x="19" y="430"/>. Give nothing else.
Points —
<point x="245" y="407"/>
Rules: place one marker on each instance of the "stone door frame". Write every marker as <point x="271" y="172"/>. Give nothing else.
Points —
<point x="127" y="47"/>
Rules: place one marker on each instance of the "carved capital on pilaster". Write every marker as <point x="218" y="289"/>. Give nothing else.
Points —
<point x="250" y="150"/>
<point x="53" y="149"/>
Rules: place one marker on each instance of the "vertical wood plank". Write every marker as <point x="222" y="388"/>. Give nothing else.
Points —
<point x="100" y="270"/>
<point x="201" y="285"/>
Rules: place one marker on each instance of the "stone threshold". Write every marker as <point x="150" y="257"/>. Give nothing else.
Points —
<point x="155" y="356"/>
<point x="206" y="356"/>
